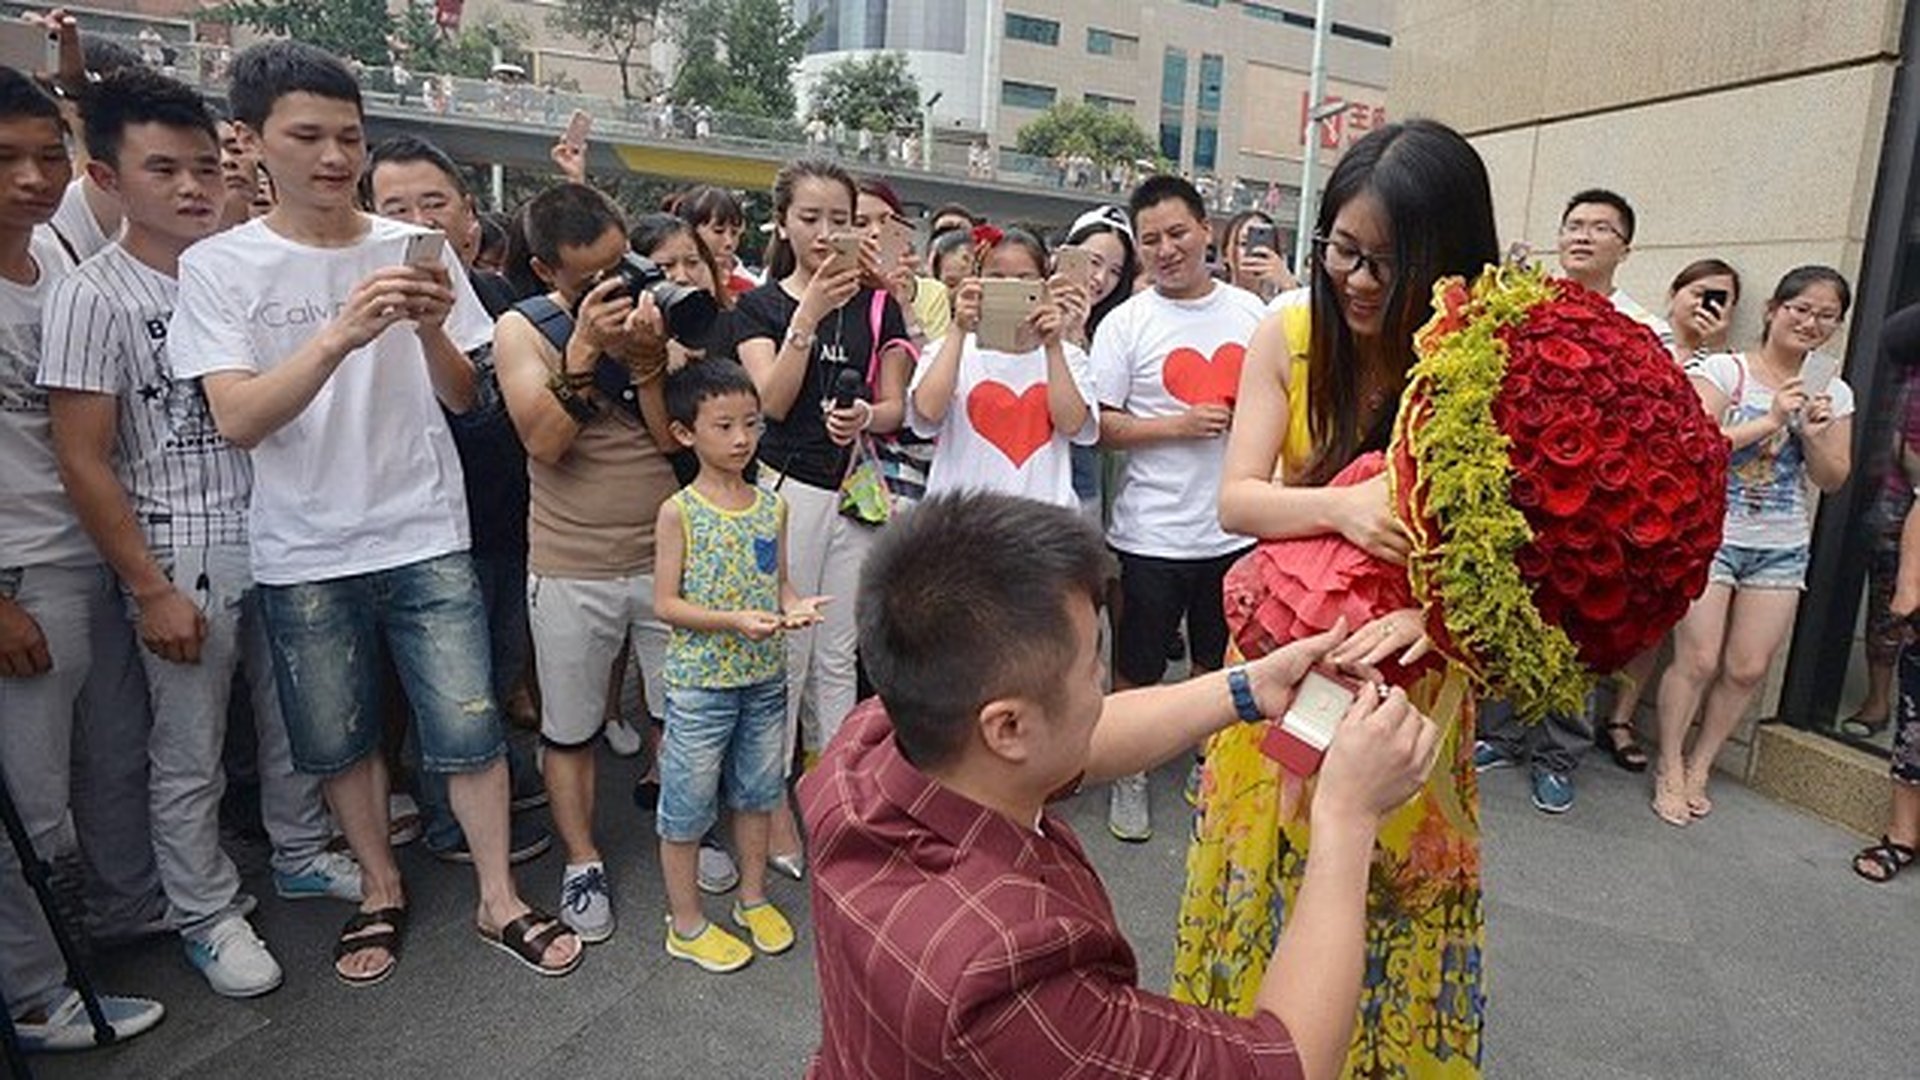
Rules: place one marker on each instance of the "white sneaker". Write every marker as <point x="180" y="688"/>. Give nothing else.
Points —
<point x="1128" y="815"/>
<point x="234" y="959"/>
<point x="67" y="1026"/>
<point x="586" y="902"/>
<point x="717" y="873"/>
<point x="331" y="875"/>
<point x="622" y="739"/>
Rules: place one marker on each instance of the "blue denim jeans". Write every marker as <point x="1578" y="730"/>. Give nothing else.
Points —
<point x="325" y="637"/>
<point x="737" y="735"/>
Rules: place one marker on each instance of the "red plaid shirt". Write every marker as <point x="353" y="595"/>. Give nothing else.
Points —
<point x="953" y="942"/>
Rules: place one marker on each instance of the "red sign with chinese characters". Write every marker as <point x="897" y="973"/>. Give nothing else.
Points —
<point x="1342" y="130"/>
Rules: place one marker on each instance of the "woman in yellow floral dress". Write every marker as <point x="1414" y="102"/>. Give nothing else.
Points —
<point x="1407" y="205"/>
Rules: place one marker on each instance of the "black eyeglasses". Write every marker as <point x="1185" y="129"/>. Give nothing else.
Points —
<point x="1343" y="258"/>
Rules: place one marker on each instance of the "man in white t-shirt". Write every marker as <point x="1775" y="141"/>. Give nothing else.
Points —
<point x="164" y="498"/>
<point x="327" y="341"/>
<point x="1596" y="236"/>
<point x="73" y="712"/>
<point x="1167" y="368"/>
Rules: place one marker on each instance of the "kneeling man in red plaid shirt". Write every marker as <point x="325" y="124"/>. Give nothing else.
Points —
<point x="960" y="930"/>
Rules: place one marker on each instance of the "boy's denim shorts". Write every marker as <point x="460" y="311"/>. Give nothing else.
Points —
<point x="737" y="735"/>
<point x="326" y="638"/>
<point x="1759" y="568"/>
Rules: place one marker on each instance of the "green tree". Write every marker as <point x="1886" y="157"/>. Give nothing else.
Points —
<point x="365" y="30"/>
<point x="623" y="28"/>
<point x="1072" y="127"/>
<point x="877" y="93"/>
<point x="739" y="56"/>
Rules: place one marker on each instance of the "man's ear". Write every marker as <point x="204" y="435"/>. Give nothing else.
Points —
<point x="104" y="176"/>
<point x="1006" y="727"/>
<point x="682" y="434"/>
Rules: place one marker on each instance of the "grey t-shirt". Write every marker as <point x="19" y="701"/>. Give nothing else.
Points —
<point x="37" y="523"/>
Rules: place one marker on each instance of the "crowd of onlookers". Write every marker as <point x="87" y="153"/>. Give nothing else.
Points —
<point x="416" y="491"/>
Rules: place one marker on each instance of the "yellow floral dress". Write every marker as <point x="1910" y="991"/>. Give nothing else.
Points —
<point x="1422" y="1003"/>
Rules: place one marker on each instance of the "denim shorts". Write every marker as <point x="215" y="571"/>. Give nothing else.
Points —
<point x="736" y="734"/>
<point x="327" y="636"/>
<point x="1759" y="568"/>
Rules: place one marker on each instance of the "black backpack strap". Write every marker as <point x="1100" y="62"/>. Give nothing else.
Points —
<point x="554" y="322"/>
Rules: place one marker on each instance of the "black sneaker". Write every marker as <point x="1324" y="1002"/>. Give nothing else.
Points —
<point x="526" y="841"/>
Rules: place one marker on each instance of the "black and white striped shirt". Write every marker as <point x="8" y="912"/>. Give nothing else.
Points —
<point x="105" y="331"/>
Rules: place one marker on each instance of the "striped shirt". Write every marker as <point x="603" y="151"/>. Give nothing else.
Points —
<point x="106" y="333"/>
<point x="37" y="523"/>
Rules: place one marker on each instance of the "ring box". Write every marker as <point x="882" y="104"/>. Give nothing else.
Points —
<point x="1299" y="741"/>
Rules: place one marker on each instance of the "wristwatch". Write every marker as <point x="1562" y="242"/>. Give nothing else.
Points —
<point x="564" y="389"/>
<point x="1241" y="689"/>
<point x="800" y="339"/>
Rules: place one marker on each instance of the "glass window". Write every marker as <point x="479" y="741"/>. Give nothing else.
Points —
<point x="1170" y="136"/>
<point x="1212" y="75"/>
<point x="1206" y="146"/>
<point x="1173" y="78"/>
<point x="1109" y="102"/>
<point x="1362" y="34"/>
<point x="1022" y="95"/>
<point x="1279" y="15"/>
<point x="1111" y="43"/>
<point x="1028" y="28"/>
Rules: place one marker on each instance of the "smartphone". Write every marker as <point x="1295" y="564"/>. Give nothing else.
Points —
<point x="425" y="249"/>
<point x="1714" y="300"/>
<point x="1005" y="304"/>
<point x="1257" y="234"/>
<point x="896" y="243"/>
<point x="29" y="47"/>
<point x="1074" y="264"/>
<point x="1299" y="741"/>
<point x="579" y="127"/>
<point x="845" y="243"/>
<point x="1817" y="373"/>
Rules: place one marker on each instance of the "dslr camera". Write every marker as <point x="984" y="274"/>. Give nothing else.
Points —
<point x="690" y="311"/>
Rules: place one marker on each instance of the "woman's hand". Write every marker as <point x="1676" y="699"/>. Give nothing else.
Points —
<point x="1267" y="267"/>
<point x="1817" y="416"/>
<point x="1398" y="636"/>
<point x="1706" y="323"/>
<point x="1070" y="297"/>
<point x="1366" y="518"/>
<point x="845" y="425"/>
<point x="966" y="306"/>
<point x="828" y="290"/>
<point x="1788" y="399"/>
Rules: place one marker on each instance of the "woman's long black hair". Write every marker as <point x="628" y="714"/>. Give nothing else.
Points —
<point x="1434" y="190"/>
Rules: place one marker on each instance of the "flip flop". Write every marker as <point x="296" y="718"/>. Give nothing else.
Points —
<point x="520" y="940"/>
<point x="354" y="938"/>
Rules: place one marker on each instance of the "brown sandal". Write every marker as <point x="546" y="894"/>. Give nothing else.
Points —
<point x="1889" y="857"/>
<point x="1630" y="755"/>
<point x="355" y="938"/>
<point x="528" y="938"/>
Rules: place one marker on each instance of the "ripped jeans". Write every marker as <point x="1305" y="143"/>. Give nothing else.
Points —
<point x="325" y="637"/>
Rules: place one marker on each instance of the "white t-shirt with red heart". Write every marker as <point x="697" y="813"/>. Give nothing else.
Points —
<point x="998" y="434"/>
<point x="1154" y="356"/>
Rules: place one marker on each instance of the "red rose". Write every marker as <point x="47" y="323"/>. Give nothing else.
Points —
<point x="1667" y="492"/>
<point x="1604" y="599"/>
<point x="1568" y="579"/>
<point x="1639" y="419"/>
<point x="1565" y="353"/>
<point x="1568" y="443"/>
<point x="1567" y="491"/>
<point x="1612" y="433"/>
<point x="1649" y="526"/>
<point x="1606" y="559"/>
<point x="1612" y="471"/>
<point x="1524" y="490"/>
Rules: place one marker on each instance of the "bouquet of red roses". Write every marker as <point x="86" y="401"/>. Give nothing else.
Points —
<point x="1563" y="489"/>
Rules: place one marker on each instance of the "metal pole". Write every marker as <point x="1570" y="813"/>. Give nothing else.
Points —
<point x="498" y="172"/>
<point x="1317" y="89"/>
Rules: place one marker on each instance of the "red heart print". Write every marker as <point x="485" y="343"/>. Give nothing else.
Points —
<point x="1200" y="380"/>
<point x="1017" y="424"/>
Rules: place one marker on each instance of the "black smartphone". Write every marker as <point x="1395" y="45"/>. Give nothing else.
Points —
<point x="1257" y="234"/>
<point x="1714" y="300"/>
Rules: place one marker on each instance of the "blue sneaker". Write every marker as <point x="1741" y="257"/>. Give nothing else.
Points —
<point x="1552" y="791"/>
<point x="330" y="876"/>
<point x="67" y="1026"/>
<point x="1488" y="756"/>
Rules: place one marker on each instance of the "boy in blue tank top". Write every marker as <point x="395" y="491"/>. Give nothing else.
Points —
<point x="720" y="583"/>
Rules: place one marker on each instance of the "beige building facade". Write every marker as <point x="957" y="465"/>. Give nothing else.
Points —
<point x="1765" y="133"/>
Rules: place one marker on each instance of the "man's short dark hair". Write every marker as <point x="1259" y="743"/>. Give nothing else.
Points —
<point x="410" y="150"/>
<point x="1160" y="187"/>
<point x="104" y="56"/>
<point x="1603" y="197"/>
<point x="951" y="209"/>
<point x="21" y="98"/>
<point x="269" y="71"/>
<point x="567" y="215"/>
<point x="138" y="95"/>
<point x="704" y="380"/>
<point x="964" y="601"/>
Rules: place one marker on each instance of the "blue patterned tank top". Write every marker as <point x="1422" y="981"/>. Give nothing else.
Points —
<point x="732" y="564"/>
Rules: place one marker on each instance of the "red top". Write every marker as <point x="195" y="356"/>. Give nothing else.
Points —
<point x="953" y="942"/>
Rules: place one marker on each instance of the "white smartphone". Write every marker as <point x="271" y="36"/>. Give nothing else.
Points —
<point x="579" y="127"/>
<point x="425" y="249"/>
<point x="29" y="47"/>
<point x="1817" y="373"/>
<point x="1005" y="304"/>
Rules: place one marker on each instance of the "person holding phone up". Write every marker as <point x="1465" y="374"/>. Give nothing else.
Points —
<point x="1250" y="252"/>
<point x="1004" y="419"/>
<point x="810" y="330"/>
<point x="1788" y="416"/>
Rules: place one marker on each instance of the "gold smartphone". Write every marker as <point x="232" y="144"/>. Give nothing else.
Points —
<point x="29" y="48"/>
<point x="1005" y="304"/>
<point x="579" y="127"/>
<point x="1075" y="264"/>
